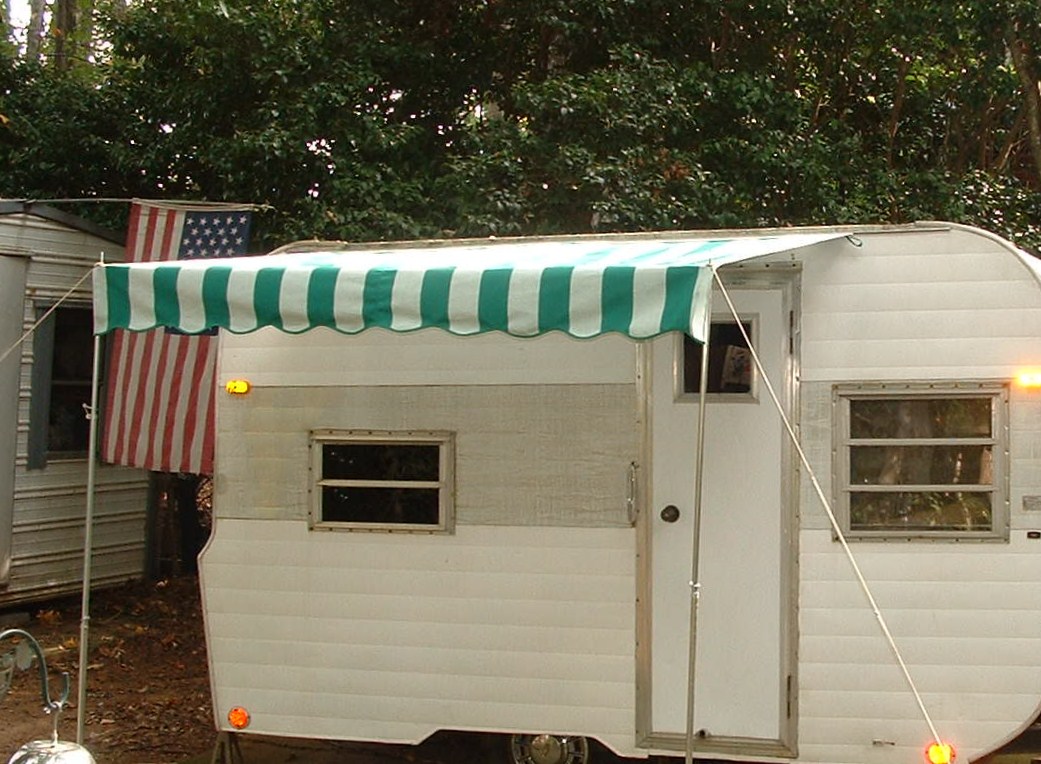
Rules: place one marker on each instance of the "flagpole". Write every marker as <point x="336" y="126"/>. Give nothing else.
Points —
<point x="88" y="542"/>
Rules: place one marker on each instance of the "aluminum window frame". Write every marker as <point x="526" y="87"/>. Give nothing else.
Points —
<point x="445" y="484"/>
<point x="751" y="321"/>
<point x="842" y="442"/>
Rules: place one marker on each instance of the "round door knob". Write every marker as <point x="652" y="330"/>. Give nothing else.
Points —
<point x="670" y="513"/>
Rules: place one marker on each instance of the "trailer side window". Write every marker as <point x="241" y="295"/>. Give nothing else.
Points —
<point x="63" y="355"/>
<point x="922" y="461"/>
<point x="400" y="481"/>
<point x="730" y="368"/>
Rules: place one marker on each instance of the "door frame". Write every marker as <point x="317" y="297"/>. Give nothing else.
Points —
<point x="785" y="278"/>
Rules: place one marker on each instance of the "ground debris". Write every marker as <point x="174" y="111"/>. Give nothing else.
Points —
<point x="148" y="696"/>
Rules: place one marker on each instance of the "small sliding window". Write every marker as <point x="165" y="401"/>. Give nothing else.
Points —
<point x="382" y="481"/>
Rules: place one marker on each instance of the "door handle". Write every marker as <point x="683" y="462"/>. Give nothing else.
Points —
<point x="670" y="513"/>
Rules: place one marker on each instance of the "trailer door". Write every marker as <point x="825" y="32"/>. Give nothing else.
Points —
<point x="742" y="678"/>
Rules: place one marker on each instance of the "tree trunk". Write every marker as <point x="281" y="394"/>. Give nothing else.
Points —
<point x="63" y="22"/>
<point x="85" y="28"/>
<point x="73" y="25"/>
<point x="1023" y="59"/>
<point x="1011" y="139"/>
<point x="900" y="92"/>
<point x="34" y="32"/>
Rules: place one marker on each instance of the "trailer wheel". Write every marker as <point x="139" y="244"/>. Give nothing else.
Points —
<point x="549" y="749"/>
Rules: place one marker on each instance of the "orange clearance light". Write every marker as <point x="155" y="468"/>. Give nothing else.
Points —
<point x="1029" y="379"/>
<point x="238" y="717"/>
<point x="939" y="753"/>
<point x="237" y="386"/>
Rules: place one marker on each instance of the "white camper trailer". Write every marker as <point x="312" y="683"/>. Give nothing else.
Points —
<point x="505" y="493"/>
<point x="45" y="261"/>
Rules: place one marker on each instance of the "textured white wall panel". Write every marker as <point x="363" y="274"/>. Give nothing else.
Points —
<point x="525" y="454"/>
<point x="372" y="636"/>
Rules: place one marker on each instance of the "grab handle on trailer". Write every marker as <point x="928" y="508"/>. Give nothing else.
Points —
<point x="630" y="497"/>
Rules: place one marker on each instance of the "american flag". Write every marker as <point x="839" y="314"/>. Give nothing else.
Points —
<point x="158" y="411"/>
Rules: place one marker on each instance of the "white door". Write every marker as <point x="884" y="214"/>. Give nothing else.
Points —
<point x="742" y="664"/>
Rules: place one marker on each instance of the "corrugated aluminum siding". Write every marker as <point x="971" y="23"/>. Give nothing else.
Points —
<point x="12" y="289"/>
<point x="48" y="505"/>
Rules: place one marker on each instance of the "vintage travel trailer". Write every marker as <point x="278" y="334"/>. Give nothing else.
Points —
<point x="46" y="257"/>
<point x="493" y="486"/>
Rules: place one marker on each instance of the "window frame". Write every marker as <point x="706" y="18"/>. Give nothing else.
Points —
<point x="842" y="442"/>
<point x="45" y="345"/>
<point x="751" y="321"/>
<point x="444" y="440"/>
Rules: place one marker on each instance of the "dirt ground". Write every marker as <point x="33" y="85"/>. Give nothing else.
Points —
<point x="148" y="696"/>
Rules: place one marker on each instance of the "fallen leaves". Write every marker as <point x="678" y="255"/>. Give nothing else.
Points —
<point x="147" y="684"/>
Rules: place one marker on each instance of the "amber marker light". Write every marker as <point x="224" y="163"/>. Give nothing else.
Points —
<point x="939" y="753"/>
<point x="237" y="386"/>
<point x="1030" y="378"/>
<point x="238" y="717"/>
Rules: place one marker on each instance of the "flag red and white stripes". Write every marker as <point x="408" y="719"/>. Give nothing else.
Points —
<point x="160" y="386"/>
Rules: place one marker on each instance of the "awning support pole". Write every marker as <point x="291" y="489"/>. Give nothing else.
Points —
<point x="695" y="533"/>
<point x="88" y="543"/>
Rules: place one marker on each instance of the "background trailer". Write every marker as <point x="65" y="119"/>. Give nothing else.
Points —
<point x="483" y="507"/>
<point x="45" y="261"/>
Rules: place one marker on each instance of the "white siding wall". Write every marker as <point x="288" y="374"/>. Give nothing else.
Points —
<point x="918" y="305"/>
<point x="48" y="505"/>
<point x="965" y="616"/>
<point x="513" y="622"/>
<point x="323" y="358"/>
<point x="381" y="637"/>
<point x="531" y="628"/>
<point x="30" y="234"/>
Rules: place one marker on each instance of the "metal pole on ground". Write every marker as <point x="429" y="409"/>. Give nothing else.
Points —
<point x="88" y="544"/>
<point x="695" y="582"/>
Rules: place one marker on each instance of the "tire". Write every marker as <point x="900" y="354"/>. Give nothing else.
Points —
<point x="549" y="749"/>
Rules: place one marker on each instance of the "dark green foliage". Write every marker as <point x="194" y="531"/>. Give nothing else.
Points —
<point x="56" y="136"/>
<point x="380" y="119"/>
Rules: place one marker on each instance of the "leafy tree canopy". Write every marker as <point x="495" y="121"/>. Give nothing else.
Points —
<point x="371" y="119"/>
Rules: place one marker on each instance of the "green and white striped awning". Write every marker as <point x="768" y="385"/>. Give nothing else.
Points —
<point x="584" y="287"/>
